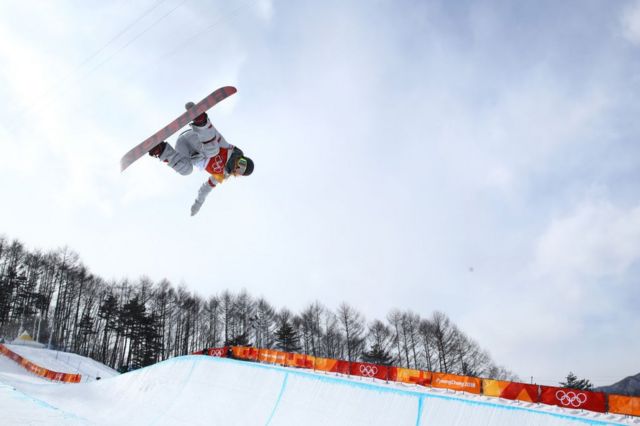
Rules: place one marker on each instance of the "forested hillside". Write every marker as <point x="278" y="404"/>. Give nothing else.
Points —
<point x="132" y="323"/>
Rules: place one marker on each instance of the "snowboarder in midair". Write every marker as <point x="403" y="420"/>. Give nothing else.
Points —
<point x="205" y="148"/>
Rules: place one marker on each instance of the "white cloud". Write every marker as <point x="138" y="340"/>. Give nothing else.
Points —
<point x="631" y="22"/>
<point x="265" y="9"/>
<point x="596" y="241"/>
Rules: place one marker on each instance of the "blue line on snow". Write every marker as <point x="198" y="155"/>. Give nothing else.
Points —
<point x="420" y="407"/>
<point x="275" y="406"/>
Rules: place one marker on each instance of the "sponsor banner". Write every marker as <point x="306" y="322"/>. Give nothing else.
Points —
<point x="628" y="405"/>
<point x="573" y="398"/>
<point x="325" y="364"/>
<point x="455" y="382"/>
<point x="241" y="352"/>
<point x="510" y="390"/>
<point x="219" y="352"/>
<point x="271" y="356"/>
<point x="369" y="370"/>
<point x="298" y="360"/>
<point x="267" y="355"/>
<point x="40" y="371"/>
<point x="280" y="357"/>
<point x="408" y="375"/>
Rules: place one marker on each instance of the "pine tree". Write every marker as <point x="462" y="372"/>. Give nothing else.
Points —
<point x="287" y="338"/>
<point x="377" y="355"/>
<point x="574" y="383"/>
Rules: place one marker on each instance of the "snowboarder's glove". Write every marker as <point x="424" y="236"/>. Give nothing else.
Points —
<point x="204" y="190"/>
<point x="157" y="150"/>
<point x="195" y="208"/>
<point x="200" y="120"/>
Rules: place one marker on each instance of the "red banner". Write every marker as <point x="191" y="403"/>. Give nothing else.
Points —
<point x="369" y="370"/>
<point x="573" y="398"/>
<point x="343" y="367"/>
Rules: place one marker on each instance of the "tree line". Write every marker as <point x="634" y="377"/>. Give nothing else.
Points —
<point x="130" y="324"/>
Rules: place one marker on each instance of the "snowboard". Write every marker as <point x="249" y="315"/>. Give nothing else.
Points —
<point x="171" y="128"/>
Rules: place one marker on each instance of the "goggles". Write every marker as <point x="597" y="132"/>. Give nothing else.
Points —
<point x="241" y="166"/>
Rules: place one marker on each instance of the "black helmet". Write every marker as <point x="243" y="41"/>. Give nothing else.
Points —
<point x="239" y="159"/>
<point x="249" y="169"/>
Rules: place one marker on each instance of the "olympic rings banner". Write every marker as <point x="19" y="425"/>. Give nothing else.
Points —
<point x="219" y="352"/>
<point x="407" y="375"/>
<point x="369" y="370"/>
<point x="627" y="405"/>
<point x="37" y="370"/>
<point x="455" y="382"/>
<point x="510" y="390"/>
<point x="573" y="398"/>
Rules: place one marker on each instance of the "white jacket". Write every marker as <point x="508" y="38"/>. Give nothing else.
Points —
<point x="194" y="147"/>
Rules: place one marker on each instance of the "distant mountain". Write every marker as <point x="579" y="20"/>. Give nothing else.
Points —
<point x="629" y="386"/>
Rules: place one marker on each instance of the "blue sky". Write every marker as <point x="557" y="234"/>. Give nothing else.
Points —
<point x="478" y="158"/>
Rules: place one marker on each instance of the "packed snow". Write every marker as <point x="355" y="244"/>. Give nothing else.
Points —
<point x="206" y="390"/>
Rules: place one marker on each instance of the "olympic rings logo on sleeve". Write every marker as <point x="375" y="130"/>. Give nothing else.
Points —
<point x="368" y="370"/>
<point x="571" y="398"/>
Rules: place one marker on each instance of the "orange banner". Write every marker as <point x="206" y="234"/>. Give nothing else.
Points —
<point x="407" y="375"/>
<point x="242" y="352"/>
<point x="510" y="390"/>
<point x="40" y="371"/>
<point x="298" y="360"/>
<point x="455" y="382"/>
<point x="628" y="405"/>
<point x="325" y="364"/>
<point x="271" y="356"/>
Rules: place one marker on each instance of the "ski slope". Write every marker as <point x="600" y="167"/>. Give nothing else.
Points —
<point x="201" y="390"/>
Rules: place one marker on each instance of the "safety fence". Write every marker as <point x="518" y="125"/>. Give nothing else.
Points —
<point x="40" y="371"/>
<point x="532" y="393"/>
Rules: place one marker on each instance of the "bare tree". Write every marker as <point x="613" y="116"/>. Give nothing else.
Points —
<point x="312" y="328"/>
<point x="444" y="335"/>
<point x="264" y="324"/>
<point x="352" y="323"/>
<point x="427" y="340"/>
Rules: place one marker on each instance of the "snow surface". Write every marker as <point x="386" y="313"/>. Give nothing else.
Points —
<point x="199" y="390"/>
